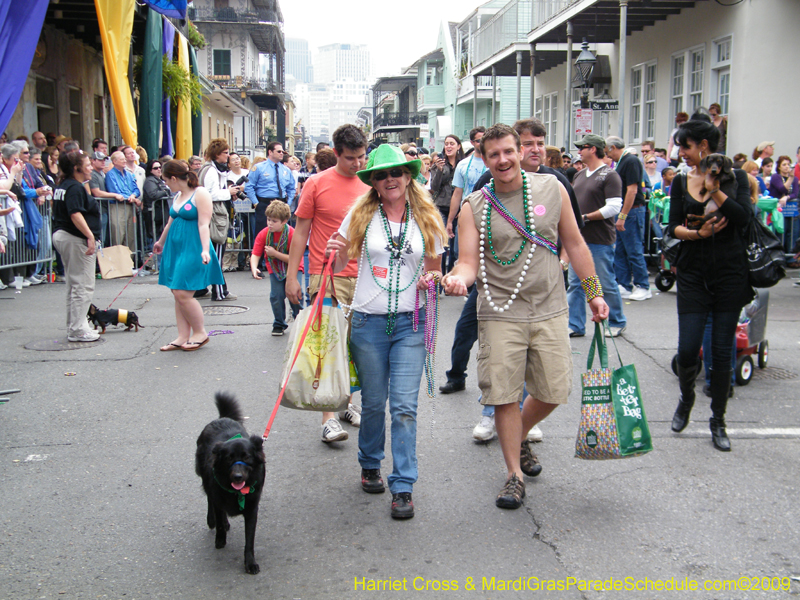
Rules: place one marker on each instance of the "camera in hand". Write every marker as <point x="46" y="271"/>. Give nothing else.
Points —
<point x="242" y="180"/>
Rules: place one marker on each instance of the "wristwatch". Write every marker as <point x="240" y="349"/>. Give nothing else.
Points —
<point x="564" y="265"/>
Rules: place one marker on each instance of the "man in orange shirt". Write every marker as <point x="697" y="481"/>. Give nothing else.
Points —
<point x="324" y="202"/>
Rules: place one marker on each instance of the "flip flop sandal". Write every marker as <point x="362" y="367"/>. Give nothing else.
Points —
<point x="170" y="347"/>
<point x="194" y="345"/>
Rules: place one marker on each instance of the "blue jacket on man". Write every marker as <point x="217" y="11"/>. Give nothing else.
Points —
<point x="123" y="183"/>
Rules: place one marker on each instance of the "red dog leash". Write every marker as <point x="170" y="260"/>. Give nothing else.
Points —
<point x="316" y="315"/>
<point x="131" y="279"/>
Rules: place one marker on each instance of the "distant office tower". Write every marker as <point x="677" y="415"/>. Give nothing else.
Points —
<point x="298" y="60"/>
<point x="342" y="61"/>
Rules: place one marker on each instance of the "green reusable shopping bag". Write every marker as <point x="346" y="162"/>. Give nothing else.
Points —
<point x="613" y="422"/>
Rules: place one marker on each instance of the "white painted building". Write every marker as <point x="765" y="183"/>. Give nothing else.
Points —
<point x="677" y="55"/>
<point x="342" y="61"/>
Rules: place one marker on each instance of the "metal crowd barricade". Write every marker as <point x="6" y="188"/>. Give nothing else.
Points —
<point x="19" y="254"/>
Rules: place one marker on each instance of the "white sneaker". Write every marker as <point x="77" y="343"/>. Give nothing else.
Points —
<point x="614" y="331"/>
<point x="535" y="434"/>
<point x="485" y="430"/>
<point x="332" y="432"/>
<point x="640" y="294"/>
<point x="87" y="336"/>
<point x="2" y="285"/>
<point x="352" y="415"/>
<point x="32" y="280"/>
<point x="625" y="294"/>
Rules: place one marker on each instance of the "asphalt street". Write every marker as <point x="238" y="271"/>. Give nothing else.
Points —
<point x="99" y="499"/>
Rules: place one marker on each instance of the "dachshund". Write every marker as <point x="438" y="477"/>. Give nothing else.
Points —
<point x="103" y="318"/>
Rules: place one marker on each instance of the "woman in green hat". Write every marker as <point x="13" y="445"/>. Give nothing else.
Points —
<point x="396" y="234"/>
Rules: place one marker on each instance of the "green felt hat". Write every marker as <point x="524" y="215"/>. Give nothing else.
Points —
<point x="386" y="156"/>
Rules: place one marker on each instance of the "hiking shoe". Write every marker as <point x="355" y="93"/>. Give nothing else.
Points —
<point x="371" y="481"/>
<point x="484" y="430"/>
<point x="352" y="415"/>
<point x="528" y="461"/>
<point x="512" y="493"/>
<point x="452" y="386"/>
<point x="624" y="293"/>
<point x="640" y="294"/>
<point x="614" y="331"/>
<point x="402" y="506"/>
<point x="332" y="432"/>
<point x="535" y="434"/>
<point x="277" y="331"/>
<point x="86" y="336"/>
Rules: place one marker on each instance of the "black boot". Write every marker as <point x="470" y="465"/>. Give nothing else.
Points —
<point x="686" y="380"/>
<point x="720" y="387"/>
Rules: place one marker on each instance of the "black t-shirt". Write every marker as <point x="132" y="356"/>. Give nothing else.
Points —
<point x="487" y="176"/>
<point x="69" y="198"/>
<point x="631" y="171"/>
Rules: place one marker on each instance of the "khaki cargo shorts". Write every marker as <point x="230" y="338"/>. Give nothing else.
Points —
<point x="538" y="355"/>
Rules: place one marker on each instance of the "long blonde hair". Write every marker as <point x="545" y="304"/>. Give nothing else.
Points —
<point x="423" y="210"/>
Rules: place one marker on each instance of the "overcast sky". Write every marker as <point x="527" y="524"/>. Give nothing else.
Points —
<point x="396" y="33"/>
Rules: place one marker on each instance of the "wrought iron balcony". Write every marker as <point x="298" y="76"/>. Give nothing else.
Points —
<point x="394" y="119"/>
<point x="239" y="83"/>
<point x="231" y="15"/>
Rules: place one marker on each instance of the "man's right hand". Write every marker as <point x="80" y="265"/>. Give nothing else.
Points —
<point x="293" y="291"/>
<point x="454" y="286"/>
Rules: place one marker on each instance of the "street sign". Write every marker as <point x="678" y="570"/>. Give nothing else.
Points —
<point x="583" y="121"/>
<point x="604" y="104"/>
<point x="243" y="152"/>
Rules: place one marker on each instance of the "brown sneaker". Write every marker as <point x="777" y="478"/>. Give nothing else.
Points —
<point x="528" y="461"/>
<point x="512" y="493"/>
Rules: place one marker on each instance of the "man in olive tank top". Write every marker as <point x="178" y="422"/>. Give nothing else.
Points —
<point x="509" y="246"/>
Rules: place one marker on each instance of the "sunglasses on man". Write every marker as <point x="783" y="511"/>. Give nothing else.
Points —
<point x="381" y="175"/>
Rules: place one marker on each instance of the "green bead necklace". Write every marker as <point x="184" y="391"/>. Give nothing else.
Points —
<point x="527" y="225"/>
<point x="394" y="273"/>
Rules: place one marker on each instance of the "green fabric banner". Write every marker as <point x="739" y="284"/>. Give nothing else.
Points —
<point x="151" y="87"/>
<point x="197" y="119"/>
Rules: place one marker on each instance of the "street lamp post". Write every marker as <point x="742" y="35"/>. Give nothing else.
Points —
<point x="584" y="67"/>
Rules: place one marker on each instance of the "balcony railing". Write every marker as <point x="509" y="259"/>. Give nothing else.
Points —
<point x="231" y="15"/>
<point x="237" y="82"/>
<point x="512" y="24"/>
<point x="391" y="119"/>
<point x="430" y="96"/>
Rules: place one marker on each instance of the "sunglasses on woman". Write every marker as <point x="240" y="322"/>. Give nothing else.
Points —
<point x="381" y="175"/>
<point x="412" y="153"/>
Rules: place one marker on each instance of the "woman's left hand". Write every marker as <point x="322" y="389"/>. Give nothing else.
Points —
<point x="712" y="226"/>
<point x="205" y="256"/>
<point x="423" y="282"/>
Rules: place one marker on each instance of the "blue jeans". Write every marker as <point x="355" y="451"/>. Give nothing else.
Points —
<point x="629" y="253"/>
<point x="465" y="337"/>
<point x="389" y="367"/>
<point x="277" y="298"/>
<point x="576" y="298"/>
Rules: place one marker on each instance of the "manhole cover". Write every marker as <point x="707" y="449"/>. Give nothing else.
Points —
<point x="50" y="345"/>
<point x="224" y="310"/>
<point x="773" y="373"/>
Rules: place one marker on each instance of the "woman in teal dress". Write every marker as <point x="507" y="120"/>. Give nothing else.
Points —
<point x="186" y="264"/>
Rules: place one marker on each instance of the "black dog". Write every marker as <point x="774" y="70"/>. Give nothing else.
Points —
<point x="720" y="167"/>
<point x="104" y="318"/>
<point x="231" y="464"/>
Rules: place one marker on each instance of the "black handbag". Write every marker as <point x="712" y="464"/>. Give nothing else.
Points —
<point x="765" y="255"/>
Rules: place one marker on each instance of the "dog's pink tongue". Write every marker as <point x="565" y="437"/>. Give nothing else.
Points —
<point x="237" y="486"/>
